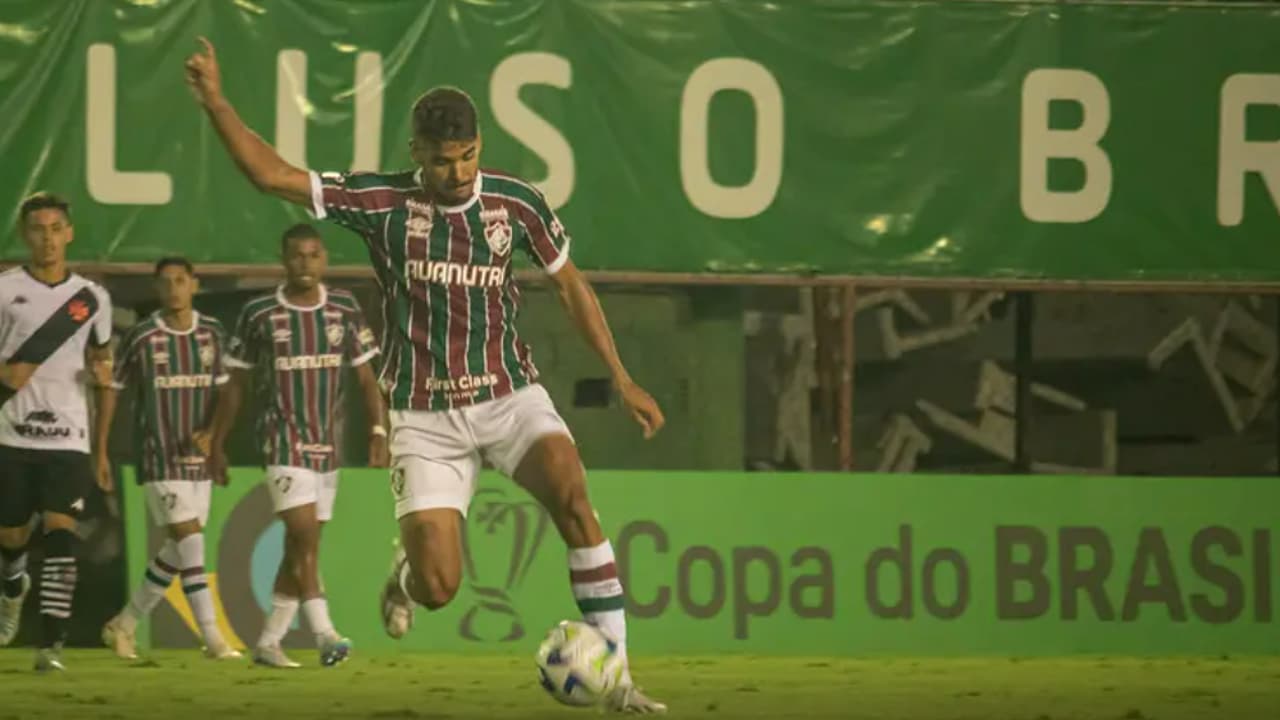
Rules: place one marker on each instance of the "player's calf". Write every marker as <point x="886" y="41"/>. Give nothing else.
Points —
<point x="195" y="585"/>
<point x="57" y="585"/>
<point x="14" y="585"/>
<point x="301" y="560"/>
<point x="427" y="569"/>
<point x="432" y="543"/>
<point x="551" y="470"/>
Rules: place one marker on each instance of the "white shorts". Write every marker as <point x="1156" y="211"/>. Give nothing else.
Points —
<point x="178" y="501"/>
<point x="436" y="455"/>
<point x="291" y="487"/>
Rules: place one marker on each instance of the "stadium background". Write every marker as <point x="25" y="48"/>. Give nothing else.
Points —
<point x="869" y="252"/>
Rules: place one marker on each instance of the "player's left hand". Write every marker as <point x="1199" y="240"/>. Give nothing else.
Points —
<point x="642" y="407"/>
<point x="102" y="370"/>
<point x="202" y="440"/>
<point x="379" y="455"/>
<point x="216" y="462"/>
<point x="102" y="473"/>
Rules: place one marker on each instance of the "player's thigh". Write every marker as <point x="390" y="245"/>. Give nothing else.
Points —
<point x="301" y="533"/>
<point x="434" y="462"/>
<point x="64" y="488"/>
<point x="292" y="487"/>
<point x="526" y="439"/>
<point x="551" y="471"/>
<point x="432" y="540"/>
<point x="19" y="496"/>
<point x="326" y="495"/>
<point x="178" y="503"/>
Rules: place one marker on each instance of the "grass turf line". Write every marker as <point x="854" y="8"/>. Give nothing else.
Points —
<point x="184" y="686"/>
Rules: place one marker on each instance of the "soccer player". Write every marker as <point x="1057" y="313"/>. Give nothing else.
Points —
<point x="301" y="339"/>
<point x="462" y="384"/>
<point x="174" y="360"/>
<point x="55" y="325"/>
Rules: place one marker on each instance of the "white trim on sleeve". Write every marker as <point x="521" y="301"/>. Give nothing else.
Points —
<point x="365" y="357"/>
<point x="317" y="196"/>
<point x="560" y="260"/>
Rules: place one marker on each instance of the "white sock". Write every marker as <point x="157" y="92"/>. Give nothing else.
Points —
<point x="598" y="592"/>
<point x="316" y="611"/>
<point x="283" y="608"/>
<point x="155" y="581"/>
<point x="196" y="586"/>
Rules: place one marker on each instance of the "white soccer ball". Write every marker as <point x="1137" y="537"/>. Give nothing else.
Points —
<point x="578" y="664"/>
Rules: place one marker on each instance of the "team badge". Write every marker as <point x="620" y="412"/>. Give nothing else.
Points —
<point x="206" y="355"/>
<point x="335" y="333"/>
<point x="498" y="235"/>
<point x="497" y="229"/>
<point x="78" y="310"/>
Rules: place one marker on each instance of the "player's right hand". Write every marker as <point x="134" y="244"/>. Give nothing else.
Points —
<point x="102" y="473"/>
<point x="217" y="466"/>
<point x="203" y="75"/>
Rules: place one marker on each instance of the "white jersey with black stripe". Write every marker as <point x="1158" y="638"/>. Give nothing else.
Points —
<point x="51" y="412"/>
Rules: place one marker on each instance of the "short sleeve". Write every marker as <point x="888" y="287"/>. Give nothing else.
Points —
<point x="218" y="337"/>
<point x="126" y="362"/>
<point x="545" y="240"/>
<point x="103" y="320"/>
<point x="358" y="201"/>
<point x="362" y="346"/>
<point x="243" y="347"/>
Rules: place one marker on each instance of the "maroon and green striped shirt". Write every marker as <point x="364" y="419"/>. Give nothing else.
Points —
<point x="175" y="374"/>
<point x="449" y="299"/>
<point x="301" y="356"/>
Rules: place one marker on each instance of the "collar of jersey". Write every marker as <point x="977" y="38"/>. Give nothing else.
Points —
<point x="475" y="193"/>
<point x="195" y="323"/>
<point x="67" y="277"/>
<point x="324" y="298"/>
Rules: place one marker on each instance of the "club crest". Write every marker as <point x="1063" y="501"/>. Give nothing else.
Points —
<point x="335" y="333"/>
<point x="497" y="229"/>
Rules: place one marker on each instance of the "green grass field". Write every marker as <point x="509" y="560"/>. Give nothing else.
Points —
<point x="183" y="686"/>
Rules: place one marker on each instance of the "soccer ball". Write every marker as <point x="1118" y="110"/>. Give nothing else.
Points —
<point x="578" y="664"/>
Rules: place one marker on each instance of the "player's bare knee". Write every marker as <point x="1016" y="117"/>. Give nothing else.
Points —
<point x="570" y="503"/>
<point x="179" y="531"/>
<point x="58" y="521"/>
<point x="15" y="537"/>
<point x="301" y="543"/>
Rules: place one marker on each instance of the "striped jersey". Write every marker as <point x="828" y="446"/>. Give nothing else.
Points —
<point x="449" y="299"/>
<point x="175" y="374"/>
<point x="300" y="356"/>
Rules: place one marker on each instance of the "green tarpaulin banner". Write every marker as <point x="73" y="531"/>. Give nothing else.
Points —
<point x="798" y="564"/>
<point x="1136" y="141"/>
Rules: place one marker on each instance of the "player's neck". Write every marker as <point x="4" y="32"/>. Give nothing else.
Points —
<point x="179" y="320"/>
<point x="304" y="297"/>
<point x="51" y="274"/>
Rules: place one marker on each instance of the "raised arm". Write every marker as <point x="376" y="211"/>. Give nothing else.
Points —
<point x="256" y="159"/>
<point x="580" y="301"/>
